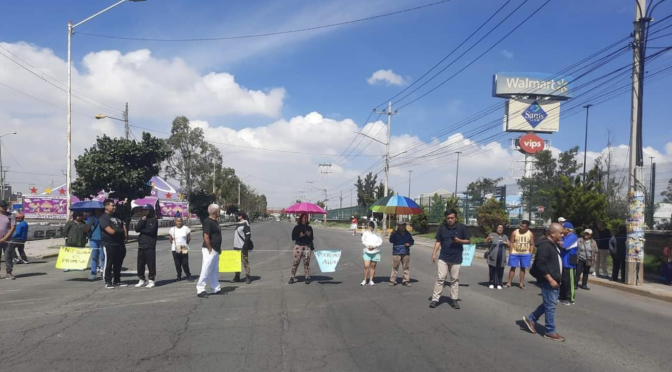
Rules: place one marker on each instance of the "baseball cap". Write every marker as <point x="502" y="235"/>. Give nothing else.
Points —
<point x="561" y="219"/>
<point x="568" y="225"/>
<point x="588" y="231"/>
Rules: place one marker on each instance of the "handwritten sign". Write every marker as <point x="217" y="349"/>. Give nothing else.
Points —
<point x="229" y="262"/>
<point x="468" y="254"/>
<point x="327" y="260"/>
<point x="73" y="258"/>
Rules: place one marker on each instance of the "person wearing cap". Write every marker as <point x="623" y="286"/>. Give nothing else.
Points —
<point x="568" y="253"/>
<point x="401" y="241"/>
<point x="242" y="241"/>
<point x="7" y="227"/>
<point x="561" y="220"/>
<point x="587" y="254"/>
<point x="18" y="243"/>
<point x="148" y="227"/>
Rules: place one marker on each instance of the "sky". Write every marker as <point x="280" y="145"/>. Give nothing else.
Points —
<point x="278" y="106"/>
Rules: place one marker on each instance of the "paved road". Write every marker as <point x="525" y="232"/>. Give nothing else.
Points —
<point x="55" y="321"/>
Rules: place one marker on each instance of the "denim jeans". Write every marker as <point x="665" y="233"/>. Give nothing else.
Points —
<point x="96" y="254"/>
<point x="547" y="307"/>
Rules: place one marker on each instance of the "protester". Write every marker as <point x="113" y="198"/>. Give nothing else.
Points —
<point x="75" y="235"/>
<point x="496" y="255"/>
<point x="450" y="237"/>
<point x="666" y="266"/>
<point x="7" y="227"/>
<point x="180" y="237"/>
<point x="603" y="238"/>
<point x="569" y="261"/>
<point x="371" y="253"/>
<point x="353" y="226"/>
<point x="401" y="241"/>
<point x="587" y="252"/>
<point x="548" y="272"/>
<point x="18" y="243"/>
<point x="212" y="248"/>
<point x="520" y="252"/>
<point x="113" y="233"/>
<point x="148" y="227"/>
<point x="95" y="242"/>
<point x="242" y="241"/>
<point x="618" y="248"/>
<point x="302" y="235"/>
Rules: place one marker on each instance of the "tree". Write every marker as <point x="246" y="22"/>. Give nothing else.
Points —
<point x="568" y="166"/>
<point x="490" y="214"/>
<point x="583" y="204"/>
<point x="419" y="222"/>
<point x="437" y="208"/>
<point x="366" y="189"/>
<point x="667" y="194"/>
<point x="199" y="201"/>
<point x="321" y="204"/>
<point x="478" y="189"/>
<point x="380" y="191"/>
<point x="120" y="167"/>
<point x="453" y="202"/>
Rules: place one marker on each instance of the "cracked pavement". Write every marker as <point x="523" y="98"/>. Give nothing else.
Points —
<point x="56" y="321"/>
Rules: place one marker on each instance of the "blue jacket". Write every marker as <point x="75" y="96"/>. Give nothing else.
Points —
<point x="21" y="232"/>
<point x="569" y="251"/>
<point x="399" y="241"/>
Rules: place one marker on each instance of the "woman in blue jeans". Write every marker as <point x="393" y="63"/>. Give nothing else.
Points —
<point x="95" y="242"/>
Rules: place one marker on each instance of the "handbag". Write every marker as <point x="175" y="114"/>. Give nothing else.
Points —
<point x="247" y="245"/>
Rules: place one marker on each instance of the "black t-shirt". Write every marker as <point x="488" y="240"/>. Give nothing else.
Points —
<point x="106" y="220"/>
<point x="451" y="252"/>
<point x="211" y="227"/>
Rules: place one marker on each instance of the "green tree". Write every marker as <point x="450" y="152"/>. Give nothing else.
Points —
<point x="453" y="202"/>
<point x="667" y="194"/>
<point x="478" y="189"/>
<point x="121" y="167"/>
<point x="437" y="208"/>
<point x="366" y="189"/>
<point x="584" y="205"/>
<point x="568" y="166"/>
<point x="199" y="201"/>
<point x="321" y="204"/>
<point x="380" y="191"/>
<point x="419" y="222"/>
<point x="490" y="214"/>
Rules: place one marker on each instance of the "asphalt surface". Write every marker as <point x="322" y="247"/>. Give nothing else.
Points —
<point x="56" y="321"/>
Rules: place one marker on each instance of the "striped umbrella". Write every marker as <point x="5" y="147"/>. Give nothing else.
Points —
<point x="396" y="204"/>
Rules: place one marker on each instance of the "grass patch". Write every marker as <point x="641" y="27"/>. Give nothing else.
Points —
<point x="651" y="265"/>
<point x="338" y="224"/>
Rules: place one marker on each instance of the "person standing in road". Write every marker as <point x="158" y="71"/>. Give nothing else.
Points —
<point x="212" y="247"/>
<point x="603" y="238"/>
<point x="303" y="237"/>
<point x="7" y="228"/>
<point x="242" y="241"/>
<point x="95" y="242"/>
<point x="496" y="255"/>
<point x="666" y="266"/>
<point x="180" y="237"/>
<point x="148" y="227"/>
<point x="587" y="253"/>
<point x="450" y="237"/>
<point x="18" y="243"/>
<point x="548" y="271"/>
<point x="520" y="252"/>
<point x="569" y="254"/>
<point x="372" y="242"/>
<point x="402" y="241"/>
<point x="74" y="232"/>
<point x="353" y="226"/>
<point x="113" y="233"/>
<point x="618" y="248"/>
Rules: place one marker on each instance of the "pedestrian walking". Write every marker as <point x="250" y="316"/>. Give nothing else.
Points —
<point x="602" y="239"/>
<point x="242" y="241"/>
<point x="92" y="228"/>
<point x="7" y="228"/>
<point x="148" y="227"/>
<point x="212" y="248"/>
<point x="496" y="255"/>
<point x="520" y="252"/>
<point x="569" y="254"/>
<point x="666" y="266"/>
<point x="547" y="270"/>
<point x="303" y="237"/>
<point x="587" y="253"/>
<point x="618" y="248"/>
<point x="180" y="237"/>
<point x="19" y="238"/>
<point x="450" y="237"/>
<point x="402" y="241"/>
<point x="371" y="253"/>
<point x="113" y="233"/>
<point x="353" y="226"/>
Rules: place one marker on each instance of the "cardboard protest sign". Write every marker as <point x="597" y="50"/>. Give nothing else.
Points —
<point x="229" y="262"/>
<point x="73" y="258"/>
<point x="327" y="260"/>
<point x="468" y="254"/>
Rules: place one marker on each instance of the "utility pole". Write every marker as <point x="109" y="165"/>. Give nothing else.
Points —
<point x="326" y="195"/>
<point x="214" y="176"/>
<point x="389" y="114"/>
<point x="585" y="143"/>
<point x="239" y="194"/>
<point x="127" y="129"/>
<point x="409" y="184"/>
<point x="457" y="171"/>
<point x="652" y="192"/>
<point x="340" y="209"/>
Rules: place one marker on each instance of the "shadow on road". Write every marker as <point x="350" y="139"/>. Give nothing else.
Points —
<point x="27" y="275"/>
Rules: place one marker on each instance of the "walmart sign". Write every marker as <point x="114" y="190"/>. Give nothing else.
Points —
<point x="507" y="84"/>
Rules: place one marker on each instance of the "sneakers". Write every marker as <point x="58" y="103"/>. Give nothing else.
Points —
<point x="140" y="283"/>
<point x="292" y="280"/>
<point x="371" y="282"/>
<point x="307" y="280"/>
<point x="585" y="288"/>
<point x="499" y="287"/>
<point x="593" y="273"/>
<point x="179" y="279"/>
<point x="151" y="284"/>
<point x="109" y="286"/>
<point x="248" y="280"/>
<point x="491" y="286"/>
<point x="363" y="283"/>
<point x="120" y="284"/>
<point x="406" y="284"/>
<point x="92" y="277"/>
<point x="565" y="302"/>
<point x="392" y="284"/>
<point x="530" y="325"/>
<point x="10" y="276"/>
<point x="455" y="305"/>
<point x="554" y="337"/>
<point x="433" y="304"/>
<point x="190" y="278"/>
<point x="216" y="292"/>
<point x="203" y="294"/>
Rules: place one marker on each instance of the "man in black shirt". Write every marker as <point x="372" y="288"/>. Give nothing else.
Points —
<point x="212" y="247"/>
<point x="148" y="227"/>
<point x="450" y="237"/>
<point x="113" y="234"/>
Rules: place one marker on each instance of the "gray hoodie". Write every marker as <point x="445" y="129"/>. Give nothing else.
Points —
<point x="242" y="234"/>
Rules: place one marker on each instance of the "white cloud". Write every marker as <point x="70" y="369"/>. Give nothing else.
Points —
<point x="386" y="76"/>
<point x="507" y="54"/>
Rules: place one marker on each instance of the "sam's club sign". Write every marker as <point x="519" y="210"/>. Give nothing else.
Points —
<point x="508" y="84"/>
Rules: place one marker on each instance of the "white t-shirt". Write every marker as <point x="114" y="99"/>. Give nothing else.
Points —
<point x="179" y="236"/>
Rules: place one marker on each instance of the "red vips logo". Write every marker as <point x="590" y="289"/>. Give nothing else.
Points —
<point x="531" y="144"/>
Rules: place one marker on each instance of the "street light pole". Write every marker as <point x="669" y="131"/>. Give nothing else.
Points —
<point x="409" y="183"/>
<point x="585" y="143"/>
<point x="389" y="114"/>
<point x="457" y="171"/>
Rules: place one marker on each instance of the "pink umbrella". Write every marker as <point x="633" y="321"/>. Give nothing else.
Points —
<point x="309" y="208"/>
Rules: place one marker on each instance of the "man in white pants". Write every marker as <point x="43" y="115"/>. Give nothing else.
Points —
<point x="212" y="247"/>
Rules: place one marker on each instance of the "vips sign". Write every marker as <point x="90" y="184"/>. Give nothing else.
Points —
<point x="530" y="144"/>
<point x="527" y="115"/>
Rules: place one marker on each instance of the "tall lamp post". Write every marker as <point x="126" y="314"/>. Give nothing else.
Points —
<point x="127" y="128"/>
<point x="68" y="172"/>
<point x="2" y="170"/>
<point x="585" y="143"/>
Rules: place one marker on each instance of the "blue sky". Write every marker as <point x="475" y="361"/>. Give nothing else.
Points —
<point x="326" y="71"/>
